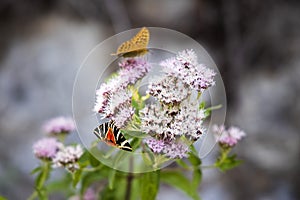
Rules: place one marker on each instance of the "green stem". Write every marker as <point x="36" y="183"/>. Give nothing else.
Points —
<point x="41" y="179"/>
<point x="208" y="167"/>
<point x="33" y="196"/>
<point x="224" y="154"/>
<point x="130" y="178"/>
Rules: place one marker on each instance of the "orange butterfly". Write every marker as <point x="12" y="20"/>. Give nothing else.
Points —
<point x="136" y="46"/>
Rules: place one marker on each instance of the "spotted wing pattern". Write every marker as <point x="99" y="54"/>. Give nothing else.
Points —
<point x="110" y="134"/>
<point x="136" y="46"/>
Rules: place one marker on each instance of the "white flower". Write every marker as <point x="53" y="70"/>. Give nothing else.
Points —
<point x="154" y="119"/>
<point x="189" y="121"/>
<point x="186" y="119"/>
<point x="187" y="57"/>
<point x="123" y="114"/>
<point x="168" y="89"/>
<point x="185" y="67"/>
<point x="116" y="100"/>
<point x="67" y="157"/>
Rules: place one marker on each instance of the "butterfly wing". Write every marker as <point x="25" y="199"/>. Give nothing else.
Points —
<point x="121" y="141"/>
<point x="101" y="130"/>
<point x="137" y="44"/>
<point x="111" y="135"/>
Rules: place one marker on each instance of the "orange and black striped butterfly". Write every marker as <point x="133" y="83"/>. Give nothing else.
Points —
<point x="136" y="46"/>
<point x="111" y="135"/>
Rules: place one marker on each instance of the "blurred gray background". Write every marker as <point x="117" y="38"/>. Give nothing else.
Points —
<point x="255" y="44"/>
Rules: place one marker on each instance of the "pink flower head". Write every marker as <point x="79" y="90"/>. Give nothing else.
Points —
<point x="155" y="145"/>
<point x="176" y="149"/>
<point x="229" y="137"/>
<point x="133" y="69"/>
<point x="46" y="148"/>
<point x="89" y="194"/>
<point x="59" y="125"/>
<point x="170" y="148"/>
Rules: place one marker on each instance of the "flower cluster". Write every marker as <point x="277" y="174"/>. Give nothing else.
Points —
<point x="46" y="148"/>
<point x="228" y="137"/>
<point x="67" y="157"/>
<point x="59" y="125"/>
<point x="169" y="148"/>
<point x="113" y="100"/>
<point x="161" y="86"/>
<point x="176" y="113"/>
<point x="168" y="123"/>
<point x="186" y="67"/>
<point x="51" y="149"/>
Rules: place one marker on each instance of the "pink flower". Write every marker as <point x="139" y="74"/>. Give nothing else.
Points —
<point x="229" y="137"/>
<point x="155" y="145"/>
<point x="59" y="125"/>
<point x="46" y="148"/>
<point x="176" y="149"/>
<point x="89" y="194"/>
<point x="169" y="148"/>
<point x="133" y="69"/>
<point x="113" y="100"/>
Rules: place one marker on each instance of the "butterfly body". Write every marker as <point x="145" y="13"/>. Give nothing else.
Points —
<point x="110" y="134"/>
<point x="137" y="46"/>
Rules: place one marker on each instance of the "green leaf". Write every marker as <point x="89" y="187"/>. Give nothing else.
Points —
<point x="207" y="111"/>
<point x="117" y="193"/>
<point x="228" y="163"/>
<point x="149" y="185"/>
<point x="197" y="177"/>
<point x="183" y="164"/>
<point x="43" y="175"/>
<point x="62" y="185"/>
<point x="35" y="170"/>
<point x="111" y="178"/>
<point x="84" y="159"/>
<point x="179" y="181"/>
<point x="89" y="178"/>
<point x="194" y="159"/>
<point x="42" y="194"/>
<point x="202" y="105"/>
<point x="93" y="161"/>
<point x="76" y="177"/>
<point x="135" y="188"/>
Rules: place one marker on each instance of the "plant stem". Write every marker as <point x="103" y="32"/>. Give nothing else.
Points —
<point x="44" y="174"/>
<point x="129" y="179"/>
<point x="128" y="188"/>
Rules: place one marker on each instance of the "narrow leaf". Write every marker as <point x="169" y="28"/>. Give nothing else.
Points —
<point x="35" y="170"/>
<point x="149" y="185"/>
<point x="76" y="177"/>
<point x="197" y="177"/>
<point x="111" y="178"/>
<point x="179" y="181"/>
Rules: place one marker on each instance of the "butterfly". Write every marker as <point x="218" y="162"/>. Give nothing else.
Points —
<point x="110" y="134"/>
<point x="136" y="46"/>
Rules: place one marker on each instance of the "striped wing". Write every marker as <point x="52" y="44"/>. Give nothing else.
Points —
<point x="136" y="46"/>
<point x="111" y="135"/>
